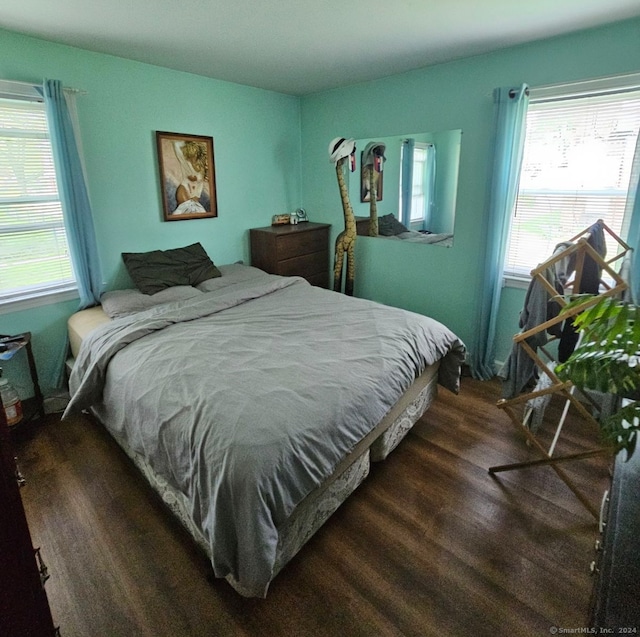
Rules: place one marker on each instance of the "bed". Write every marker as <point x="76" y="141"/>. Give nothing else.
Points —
<point x="390" y="228"/>
<point x="254" y="403"/>
<point x="427" y="238"/>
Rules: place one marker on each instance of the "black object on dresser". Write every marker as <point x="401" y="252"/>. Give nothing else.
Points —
<point x="293" y="250"/>
<point x="617" y="591"/>
<point x="24" y="608"/>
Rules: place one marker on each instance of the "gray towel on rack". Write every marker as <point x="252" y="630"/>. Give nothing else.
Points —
<point x="520" y="369"/>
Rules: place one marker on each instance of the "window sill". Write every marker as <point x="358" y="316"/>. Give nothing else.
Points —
<point x="522" y="282"/>
<point x="6" y="307"/>
<point x="513" y="281"/>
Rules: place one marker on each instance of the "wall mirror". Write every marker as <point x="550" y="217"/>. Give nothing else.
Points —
<point x="416" y="190"/>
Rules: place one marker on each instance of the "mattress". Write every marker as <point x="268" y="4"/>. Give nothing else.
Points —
<point x="82" y="323"/>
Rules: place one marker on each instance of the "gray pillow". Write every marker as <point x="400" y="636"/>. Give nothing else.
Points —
<point x="118" y="303"/>
<point x="232" y="274"/>
<point x="159" y="269"/>
<point x="389" y="226"/>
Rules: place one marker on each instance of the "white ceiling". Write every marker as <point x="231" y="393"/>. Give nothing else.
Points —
<point x="303" y="46"/>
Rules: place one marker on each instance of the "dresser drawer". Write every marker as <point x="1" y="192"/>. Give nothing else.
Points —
<point x="618" y="567"/>
<point x="293" y="245"/>
<point x="306" y="265"/>
<point x="320" y="280"/>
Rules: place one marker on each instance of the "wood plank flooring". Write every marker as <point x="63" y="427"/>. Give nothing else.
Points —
<point x="430" y="544"/>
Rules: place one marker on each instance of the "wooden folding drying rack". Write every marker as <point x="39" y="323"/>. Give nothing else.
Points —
<point x="517" y="408"/>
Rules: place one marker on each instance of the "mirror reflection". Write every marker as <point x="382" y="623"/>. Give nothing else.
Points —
<point x="415" y="190"/>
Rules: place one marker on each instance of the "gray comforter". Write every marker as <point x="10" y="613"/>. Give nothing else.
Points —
<point x="413" y="236"/>
<point x="246" y="399"/>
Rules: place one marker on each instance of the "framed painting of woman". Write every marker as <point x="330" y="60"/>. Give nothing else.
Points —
<point x="187" y="176"/>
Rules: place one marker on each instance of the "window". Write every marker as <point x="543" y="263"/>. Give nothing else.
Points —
<point x="418" y="186"/>
<point x="576" y="168"/>
<point x="421" y="186"/>
<point x="34" y="255"/>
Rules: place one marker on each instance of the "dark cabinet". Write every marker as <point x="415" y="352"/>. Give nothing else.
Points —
<point x="617" y="564"/>
<point x="24" y="608"/>
<point x="362" y="226"/>
<point x="293" y="250"/>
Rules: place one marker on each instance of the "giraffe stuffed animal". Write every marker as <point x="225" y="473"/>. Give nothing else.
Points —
<point x="373" y="160"/>
<point x="341" y="151"/>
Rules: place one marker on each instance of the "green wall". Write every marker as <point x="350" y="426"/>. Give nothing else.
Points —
<point x="271" y="157"/>
<point x="256" y="137"/>
<point x="445" y="282"/>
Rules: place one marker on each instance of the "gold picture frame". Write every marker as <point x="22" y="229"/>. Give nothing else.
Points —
<point x="187" y="176"/>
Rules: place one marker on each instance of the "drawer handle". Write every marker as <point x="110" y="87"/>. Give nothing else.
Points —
<point x="19" y="477"/>
<point x="601" y="522"/>
<point x="42" y="567"/>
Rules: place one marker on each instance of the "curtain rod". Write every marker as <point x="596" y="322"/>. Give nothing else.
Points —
<point x="77" y="91"/>
<point x="625" y="81"/>
<point x="628" y="81"/>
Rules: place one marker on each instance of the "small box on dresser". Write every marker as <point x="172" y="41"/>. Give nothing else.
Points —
<point x="293" y="250"/>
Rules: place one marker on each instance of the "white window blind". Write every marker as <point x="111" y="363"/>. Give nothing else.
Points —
<point x="34" y="254"/>
<point x="420" y="195"/>
<point x="419" y="182"/>
<point x="576" y="169"/>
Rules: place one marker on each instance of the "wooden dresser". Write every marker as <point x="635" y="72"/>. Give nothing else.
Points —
<point x="362" y="226"/>
<point x="24" y="608"/>
<point x="293" y="250"/>
<point x="616" y="604"/>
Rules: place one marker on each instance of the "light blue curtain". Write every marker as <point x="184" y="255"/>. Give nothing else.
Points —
<point x="406" y="176"/>
<point x="633" y="213"/>
<point x="73" y="195"/>
<point x="508" y="143"/>
<point x="430" y="187"/>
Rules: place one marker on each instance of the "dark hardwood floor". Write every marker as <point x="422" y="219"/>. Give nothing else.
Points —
<point x="430" y="544"/>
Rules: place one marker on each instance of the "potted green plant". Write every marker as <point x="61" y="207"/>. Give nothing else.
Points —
<point x="607" y="359"/>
